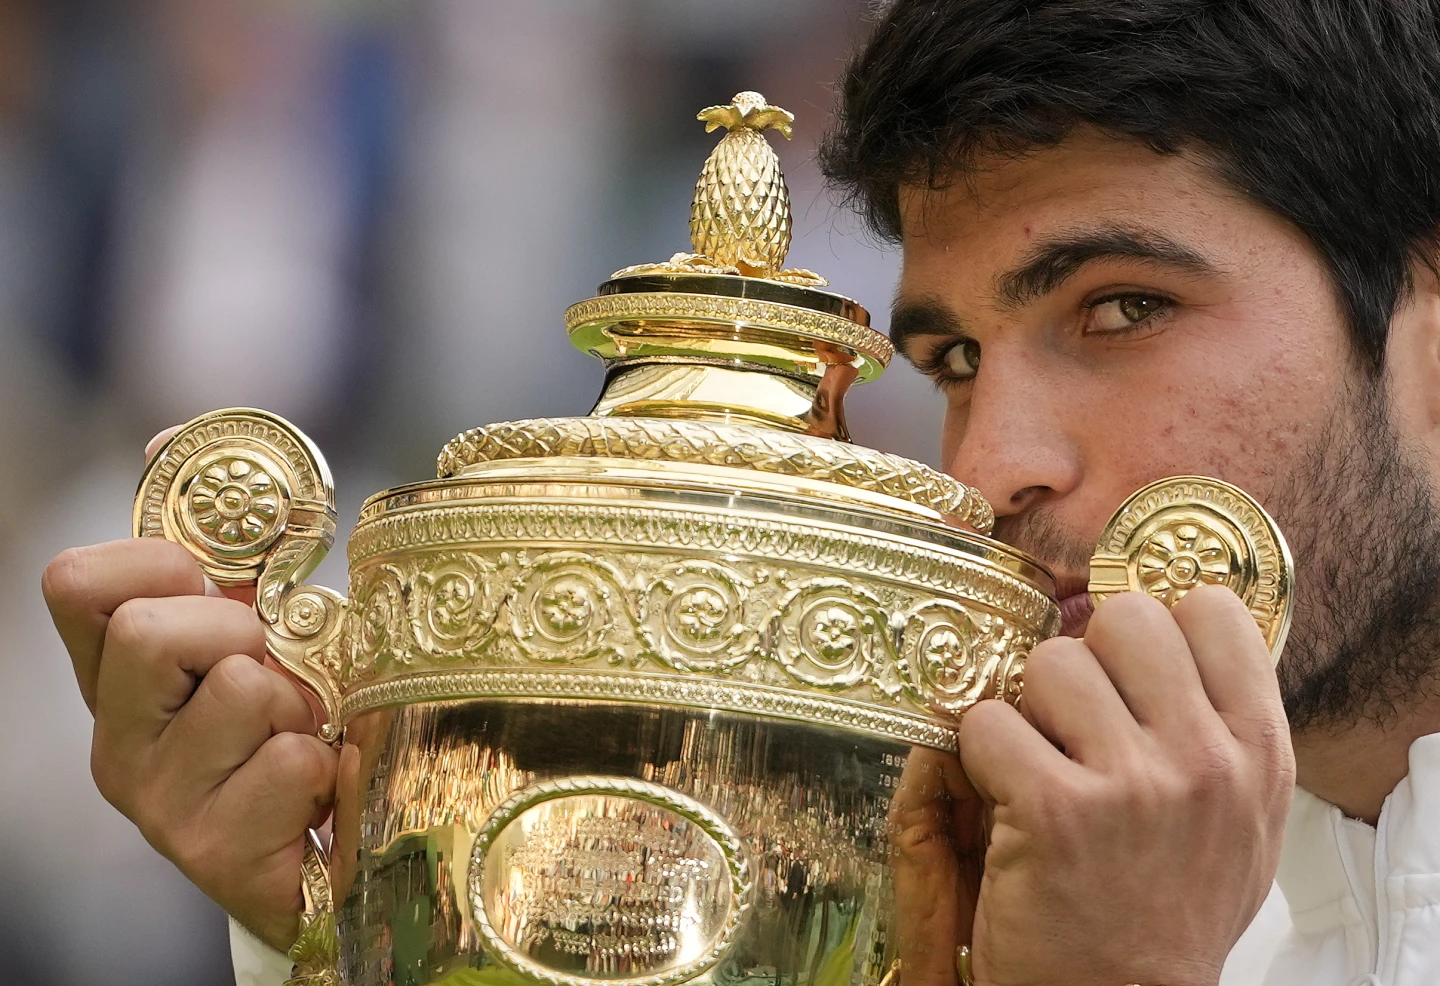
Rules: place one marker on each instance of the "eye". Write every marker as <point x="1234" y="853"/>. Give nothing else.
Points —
<point x="961" y="361"/>
<point x="1120" y="314"/>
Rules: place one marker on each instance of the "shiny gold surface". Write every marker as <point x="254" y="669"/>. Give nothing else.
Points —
<point x="251" y="497"/>
<point x="608" y="878"/>
<point x="316" y="951"/>
<point x="1188" y="531"/>
<point x="689" y="846"/>
<point x="729" y="446"/>
<point x="625" y="698"/>
<point x="740" y="217"/>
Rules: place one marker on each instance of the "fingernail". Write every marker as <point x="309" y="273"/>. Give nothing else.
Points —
<point x="211" y="589"/>
<point x="160" y="439"/>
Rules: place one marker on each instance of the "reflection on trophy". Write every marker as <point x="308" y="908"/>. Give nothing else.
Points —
<point x="627" y="698"/>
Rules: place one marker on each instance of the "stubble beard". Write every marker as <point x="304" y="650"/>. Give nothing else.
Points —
<point x="1359" y="514"/>
<point x="1360" y="517"/>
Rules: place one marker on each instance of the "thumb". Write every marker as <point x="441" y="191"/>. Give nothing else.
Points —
<point x="153" y="446"/>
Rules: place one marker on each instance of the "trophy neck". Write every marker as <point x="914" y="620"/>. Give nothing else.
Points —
<point x="718" y="391"/>
<point x="728" y="348"/>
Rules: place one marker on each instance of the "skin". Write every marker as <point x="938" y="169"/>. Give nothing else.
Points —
<point x="1197" y="333"/>
<point x="1172" y="770"/>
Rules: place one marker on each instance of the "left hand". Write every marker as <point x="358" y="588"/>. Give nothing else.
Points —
<point x="1137" y="805"/>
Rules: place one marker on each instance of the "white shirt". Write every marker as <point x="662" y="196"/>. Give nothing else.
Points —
<point x="1360" y="905"/>
<point x="1352" y="905"/>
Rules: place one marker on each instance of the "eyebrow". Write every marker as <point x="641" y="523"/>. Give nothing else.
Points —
<point x="1055" y="261"/>
<point x="923" y="317"/>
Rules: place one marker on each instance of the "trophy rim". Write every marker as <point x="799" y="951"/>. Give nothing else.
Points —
<point x="589" y="482"/>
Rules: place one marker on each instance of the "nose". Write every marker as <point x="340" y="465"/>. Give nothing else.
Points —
<point x="1014" y="440"/>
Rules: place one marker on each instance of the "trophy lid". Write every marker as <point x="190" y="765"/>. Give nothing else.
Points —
<point x="731" y="303"/>
<point x="725" y="357"/>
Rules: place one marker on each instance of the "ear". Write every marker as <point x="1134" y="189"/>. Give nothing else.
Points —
<point x="1412" y="360"/>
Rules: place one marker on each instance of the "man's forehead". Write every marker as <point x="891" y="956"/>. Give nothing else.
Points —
<point x="1087" y="175"/>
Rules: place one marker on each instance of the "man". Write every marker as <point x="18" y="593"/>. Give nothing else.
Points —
<point x="1141" y="238"/>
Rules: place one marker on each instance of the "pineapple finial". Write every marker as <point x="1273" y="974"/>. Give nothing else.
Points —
<point x="740" y="216"/>
<point x="747" y="109"/>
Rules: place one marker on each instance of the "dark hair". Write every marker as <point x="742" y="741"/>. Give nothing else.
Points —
<point x="1326" y="112"/>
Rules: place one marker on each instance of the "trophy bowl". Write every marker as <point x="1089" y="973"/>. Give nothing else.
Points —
<point x="626" y="698"/>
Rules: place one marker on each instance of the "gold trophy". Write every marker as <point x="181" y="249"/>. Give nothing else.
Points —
<point x="624" y="698"/>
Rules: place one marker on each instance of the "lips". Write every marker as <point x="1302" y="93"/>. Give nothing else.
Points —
<point x="1075" y="610"/>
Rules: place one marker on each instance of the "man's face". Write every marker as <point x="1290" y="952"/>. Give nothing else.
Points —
<point x="1100" y="316"/>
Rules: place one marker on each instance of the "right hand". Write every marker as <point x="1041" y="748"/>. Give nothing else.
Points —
<point x="208" y="750"/>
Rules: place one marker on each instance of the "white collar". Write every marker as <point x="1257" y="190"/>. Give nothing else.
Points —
<point x="1330" y="864"/>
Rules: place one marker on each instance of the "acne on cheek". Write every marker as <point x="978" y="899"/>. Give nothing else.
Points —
<point x="1241" y="435"/>
<point x="1255" y="443"/>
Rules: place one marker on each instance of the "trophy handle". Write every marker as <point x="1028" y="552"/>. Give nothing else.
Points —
<point x="250" y="496"/>
<point x="316" y="952"/>
<point x="1179" y="533"/>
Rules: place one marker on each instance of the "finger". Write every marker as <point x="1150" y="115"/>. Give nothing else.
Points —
<point x="1234" y="664"/>
<point x="1146" y="657"/>
<point x="278" y="792"/>
<point x="153" y="446"/>
<point x="154" y="653"/>
<point x="935" y="902"/>
<point x="1001" y="752"/>
<point x="237" y="707"/>
<point x="84" y="586"/>
<point x="930" y="775"/>
<point x="271" y="799"/>
<point x="1072" y="702"/>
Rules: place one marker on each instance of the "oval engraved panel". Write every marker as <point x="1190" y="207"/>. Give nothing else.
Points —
<point x="598" y="880"/>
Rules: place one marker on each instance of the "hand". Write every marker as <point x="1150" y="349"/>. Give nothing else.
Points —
<point x="211" y="753"/>
<point x="1138" y="803"/>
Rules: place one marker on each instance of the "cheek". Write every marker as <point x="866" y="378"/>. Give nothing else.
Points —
<point x="1244" y="414"/>
<point x="952" y="432"/>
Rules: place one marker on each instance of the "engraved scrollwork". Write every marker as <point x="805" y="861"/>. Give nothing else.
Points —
<point x="749" y="625"/>
<point x="696" y="616"/>
<point x="607" y="528"/>
<point x="635" y="602"/>
<point x="375" y="638"/>
<point x="942" y="662"/>
<point x="568" y="607"/>
<point x="453" y="603"/>
<point x="306" y="638"/>
<point x="1010" y="679"/>
<point x="829" y="630"/>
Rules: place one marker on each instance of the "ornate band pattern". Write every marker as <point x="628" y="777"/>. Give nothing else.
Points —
<point x="749" y="311"/>
<point x="751" y="614"/>
<point x="698" y="693"/>
<point x="687" y="531"/>
<point x="733" y="446"/>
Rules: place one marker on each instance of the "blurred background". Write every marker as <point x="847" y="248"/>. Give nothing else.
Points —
<point x="368" y="216"/>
